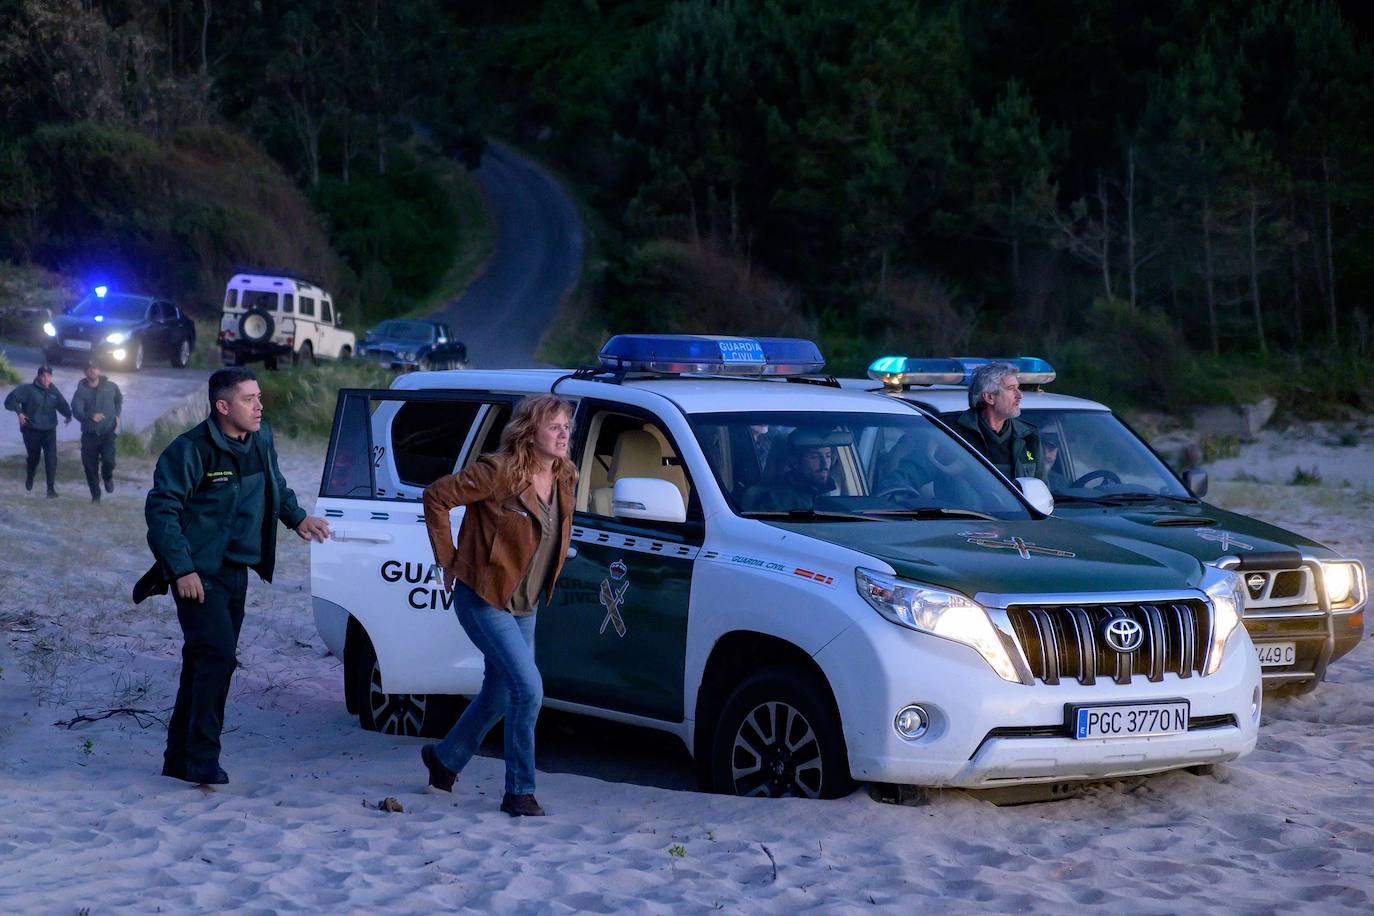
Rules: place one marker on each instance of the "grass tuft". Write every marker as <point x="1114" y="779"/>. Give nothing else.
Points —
<point x="299" y="402"/>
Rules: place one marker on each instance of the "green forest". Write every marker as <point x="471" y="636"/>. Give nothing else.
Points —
<point x="1168" y="199"/>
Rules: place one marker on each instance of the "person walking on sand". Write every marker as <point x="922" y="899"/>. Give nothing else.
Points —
<point x="510" y="549"/>
<point x="97" y="404"/>
<point x="212" y="512"/>
<point x="38" y="403"/>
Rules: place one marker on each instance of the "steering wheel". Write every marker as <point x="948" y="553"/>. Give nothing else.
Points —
<point x="900" y="493"/>
<point x="1105" y="475"/>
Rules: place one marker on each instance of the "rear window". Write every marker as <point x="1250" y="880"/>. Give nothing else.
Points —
<point x="259" y="299"/>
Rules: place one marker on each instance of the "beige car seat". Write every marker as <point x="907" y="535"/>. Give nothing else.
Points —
<point x="638" y="453"/>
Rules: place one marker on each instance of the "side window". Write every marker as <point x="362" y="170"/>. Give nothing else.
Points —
<point x="348" y="466"/>
<point x="288" y="303"/>
<point x="230" y="298"/>
<point x="307" y="307"/>
<point x="326" y="313"/>
<point x="156" y="312"/>
<point x="620" y="445"/>
<point x="426" y="438"/>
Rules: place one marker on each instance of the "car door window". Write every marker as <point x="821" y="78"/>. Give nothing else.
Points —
<point x="326" y="312"/>
<point x="623" y="445"/>
<point x="307" y="307"/>
<point x="288" y="303"/>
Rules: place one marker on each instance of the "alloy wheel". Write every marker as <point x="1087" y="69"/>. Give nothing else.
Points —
<point x="776" y="754"/>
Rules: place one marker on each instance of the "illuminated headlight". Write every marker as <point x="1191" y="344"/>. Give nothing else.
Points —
<point x="49" y="329"/>
<point x="1344" y="582"/>
<point x="119" y="354"/>
<point x="408" y="355"/>
<point x="948" y="615"/>
<point x="1225" y="591"/>
<point x="118" y="337"/>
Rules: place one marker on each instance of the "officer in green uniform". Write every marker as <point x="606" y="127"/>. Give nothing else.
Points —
<point x="97" y="404"/>
<point x="991" y="423"/>
<point x="38" y="403"/>
<point x="212" y="512"/>
<point x="806" y="475"/>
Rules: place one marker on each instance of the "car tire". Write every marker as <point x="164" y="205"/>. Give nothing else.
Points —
<point x="305" y="356"/>
<point x="346" y="352"/>
<point x="413" y="714"/>
<point x="779" y="735"/>
<point x="181" y="356"/>
<point x="136" y="357"/>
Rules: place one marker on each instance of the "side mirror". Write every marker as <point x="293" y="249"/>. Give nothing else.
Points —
<point x="1195" y="479"/>
<point x="338" y="317"/>
<point x="1037" y="494"/>
<point x="649" y="499"/>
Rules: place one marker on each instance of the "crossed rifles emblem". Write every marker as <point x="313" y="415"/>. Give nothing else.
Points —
<point x="1024" y="548"/>
<point x="613" y="598"/>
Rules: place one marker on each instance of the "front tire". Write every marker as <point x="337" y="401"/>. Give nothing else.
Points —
<point x="779" y="736"/>
<point x="393" y="713"/>
<point x="136" y="358"/>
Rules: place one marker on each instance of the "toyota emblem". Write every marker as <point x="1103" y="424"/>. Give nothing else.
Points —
<point x="1123" y="634"/>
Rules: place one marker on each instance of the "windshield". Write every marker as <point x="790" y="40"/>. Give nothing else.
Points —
<point x="848" y="465"/>
<point x="1097" y="456"/>
<point x="404" y="330"/>
<point x="116" y="308"/>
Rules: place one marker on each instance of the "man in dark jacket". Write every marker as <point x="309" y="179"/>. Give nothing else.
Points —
<point x="991" y="423"/>
<point x="212" y="512"/>
<point x="38" y="404"/>
<point x="97" y="404"/>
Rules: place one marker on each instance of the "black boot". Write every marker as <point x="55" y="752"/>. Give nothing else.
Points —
<point x="440" y="776"/>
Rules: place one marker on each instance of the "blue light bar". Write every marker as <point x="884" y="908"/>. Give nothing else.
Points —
<point x="100" y="291"/>
<point x="677" y="354"/>
<point x="899" y="372"/>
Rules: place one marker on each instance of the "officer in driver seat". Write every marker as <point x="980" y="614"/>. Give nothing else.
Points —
<point x="807" y="472"/>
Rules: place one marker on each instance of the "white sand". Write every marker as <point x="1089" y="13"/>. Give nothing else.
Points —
<point x="86" y="821"/>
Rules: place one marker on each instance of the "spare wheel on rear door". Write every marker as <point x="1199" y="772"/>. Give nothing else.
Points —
<point x="256" y="325"/>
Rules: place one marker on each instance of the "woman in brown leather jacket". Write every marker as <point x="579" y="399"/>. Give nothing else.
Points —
<point x="510" y="550"/>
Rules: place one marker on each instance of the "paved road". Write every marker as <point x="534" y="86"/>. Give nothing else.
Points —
<point x="147" y="394"/>
<point x="535" y="262"/>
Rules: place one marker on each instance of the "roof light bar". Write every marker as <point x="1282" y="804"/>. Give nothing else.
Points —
<point x="898" y="372"/>
<point x="679" y="354"/>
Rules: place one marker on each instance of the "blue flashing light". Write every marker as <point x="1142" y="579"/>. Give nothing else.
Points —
<point x="99" y="317"/>
<point x="899" y="372"/>
<point x="678" y="354"/>
<point x="100" y="291"/>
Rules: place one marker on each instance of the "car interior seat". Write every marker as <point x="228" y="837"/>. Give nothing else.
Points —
<point x="638" y="453"/>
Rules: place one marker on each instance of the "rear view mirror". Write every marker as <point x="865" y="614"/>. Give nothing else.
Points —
<point x="1195" y="479"/>
<point x="1037" y="494"/>
<point x="649" y="499"/>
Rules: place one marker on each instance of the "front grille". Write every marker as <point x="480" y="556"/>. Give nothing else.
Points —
<point x="1067" y="643"/>
<point x="1287" y="584"/>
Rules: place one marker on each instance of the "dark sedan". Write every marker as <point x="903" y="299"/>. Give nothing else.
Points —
<point x="406" y="343"/>
<point x="121" y="330"/>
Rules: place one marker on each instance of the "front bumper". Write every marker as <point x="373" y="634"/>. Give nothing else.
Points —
<point x="389" y="359"/>
<point x="105" y="352"/>
<point x="986" y="732"/>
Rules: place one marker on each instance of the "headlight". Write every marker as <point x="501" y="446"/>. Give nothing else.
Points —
<point x="49" y="329"/>
<point x="1344" y="582"/>
<point x="1224" y="590"/>
<point x="940" y="613"/>
<point x="118" y="337"/>
<point x="408" y="355"/>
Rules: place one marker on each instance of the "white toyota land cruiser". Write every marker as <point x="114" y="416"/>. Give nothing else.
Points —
<point x="771" y="572"/>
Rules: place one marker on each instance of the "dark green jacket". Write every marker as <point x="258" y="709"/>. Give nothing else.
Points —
<point x="41" y="405"/>
<point x="193" y="500"/>
<point x="104" y="398"/>
<point x="1025" y="443"/>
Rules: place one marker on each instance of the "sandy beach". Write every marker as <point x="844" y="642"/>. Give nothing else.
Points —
<point x="90" y="826"/>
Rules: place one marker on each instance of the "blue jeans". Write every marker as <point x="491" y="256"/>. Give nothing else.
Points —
<point x="511" y="688"/>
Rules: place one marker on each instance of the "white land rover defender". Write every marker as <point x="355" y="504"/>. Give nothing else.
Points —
<point x="769" y="569"/>
<point x="270" y="318"/>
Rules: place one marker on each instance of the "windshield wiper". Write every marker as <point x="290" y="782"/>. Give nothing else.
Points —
<point x="932" y="512"/>
<point x="1147" y="497"/>
<point x="809" y="515"/>
<point x="1069" y="498"/>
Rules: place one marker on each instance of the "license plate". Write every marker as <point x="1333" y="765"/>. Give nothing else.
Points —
<point x="1277" y="654"/>
<point x="1130" y="721"/>
<point x="77" y="344"/>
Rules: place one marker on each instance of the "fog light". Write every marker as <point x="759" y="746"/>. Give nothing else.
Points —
<point x="911" y="722"/>
<point x="120" y="353"/>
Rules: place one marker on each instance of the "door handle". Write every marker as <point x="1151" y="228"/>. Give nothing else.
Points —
<point x="340" y="534"/>
<point x="572" y="553"/>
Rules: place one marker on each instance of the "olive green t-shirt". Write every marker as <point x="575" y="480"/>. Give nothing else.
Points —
<point x="536" y="581"/>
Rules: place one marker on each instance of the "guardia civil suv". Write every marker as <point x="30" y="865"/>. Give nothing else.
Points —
<point x="1304" y="602"/>
<point x="767" y="568"/>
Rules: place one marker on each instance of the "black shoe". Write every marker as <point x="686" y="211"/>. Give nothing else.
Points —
<point x="28" y="484"/>
<point x="217" y="777"/>
<point x="109" y="484"/>
<point x="95" y="497"/>
<point x="521" y="806"/>
<point x="177" y="770"/>
<point x="52" y="494"/>
<point x="440" y="776"/>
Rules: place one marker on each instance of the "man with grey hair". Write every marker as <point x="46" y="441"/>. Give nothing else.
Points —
<point x="991" y="423"/>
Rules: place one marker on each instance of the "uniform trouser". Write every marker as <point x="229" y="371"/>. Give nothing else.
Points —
<point x="208" y="659"/>
<point x="98" y="458"/>
<point x="42" y="441"/>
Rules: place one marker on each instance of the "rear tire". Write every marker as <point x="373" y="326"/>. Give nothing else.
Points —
<point x="779" y="735"/>
<point x="429" y="715"/>
<point x="182" y="355"/>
